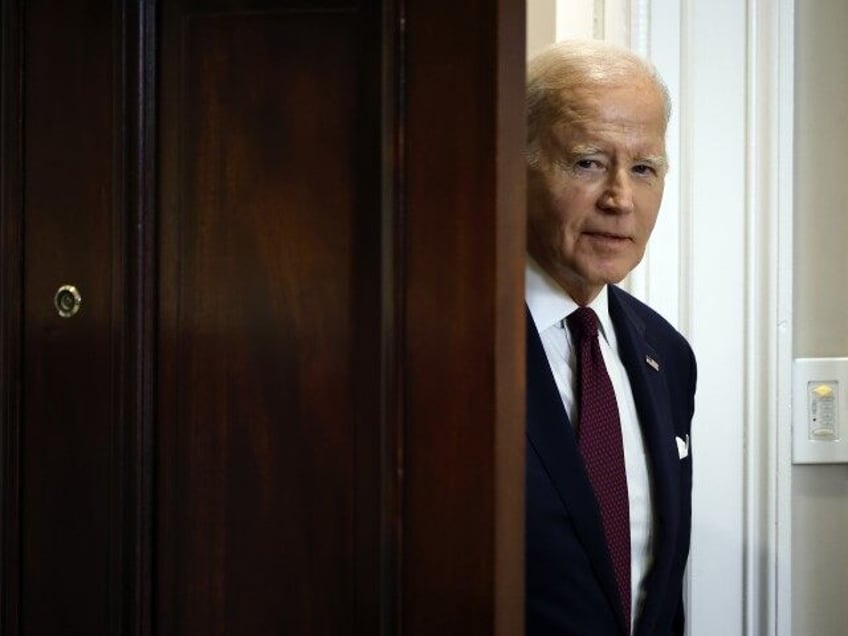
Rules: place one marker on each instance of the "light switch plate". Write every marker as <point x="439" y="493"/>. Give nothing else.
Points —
<point x="819" y="408"/>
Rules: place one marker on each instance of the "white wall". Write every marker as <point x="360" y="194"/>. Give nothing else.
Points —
<point x="820" y="493"/>
<point x="541" y="25"/>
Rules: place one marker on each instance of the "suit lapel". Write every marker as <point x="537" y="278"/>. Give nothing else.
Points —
<point x="646" y="373"/>
<point x="551" y="436"/>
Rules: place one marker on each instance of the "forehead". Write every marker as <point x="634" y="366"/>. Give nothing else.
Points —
<point x="633" y="112"/>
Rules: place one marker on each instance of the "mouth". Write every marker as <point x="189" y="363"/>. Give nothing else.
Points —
<point x="607" y="237"/>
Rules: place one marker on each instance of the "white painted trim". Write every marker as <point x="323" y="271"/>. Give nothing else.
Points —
<point x="640" y="27"/>
<point x="768" y="339"/>
<point x="715" y="81"/>
<point x="685" y="206"/>
<point x="686" y="145"/>
<point x="637" y="280"/>
<point x="785" y="99"/>
<point x="761" y="289"/>
<point x="599" y="22"/>
<point x="655" y="33"/>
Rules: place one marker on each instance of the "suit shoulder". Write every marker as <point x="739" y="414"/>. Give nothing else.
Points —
<point x="654" y="322"/>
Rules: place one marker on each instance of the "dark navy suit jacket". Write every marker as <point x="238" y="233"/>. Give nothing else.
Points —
<point x="570" y="586"/>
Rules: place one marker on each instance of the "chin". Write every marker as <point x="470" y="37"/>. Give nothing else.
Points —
<point x="617" y="278"/>
<point x="613" y="275"/>
<point x="606" y="276"/>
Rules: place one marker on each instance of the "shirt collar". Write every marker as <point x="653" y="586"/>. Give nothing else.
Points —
<point x="549" y="303"/>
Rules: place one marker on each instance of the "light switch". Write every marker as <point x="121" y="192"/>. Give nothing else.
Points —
<point x="822" y="412"/>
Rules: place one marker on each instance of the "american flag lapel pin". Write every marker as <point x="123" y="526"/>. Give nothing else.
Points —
<point x="652" y="363"/>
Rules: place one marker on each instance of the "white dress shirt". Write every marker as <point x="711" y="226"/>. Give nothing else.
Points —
<point x="549" y="304"/>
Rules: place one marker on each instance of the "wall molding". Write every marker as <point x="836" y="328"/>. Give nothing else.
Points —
<point x="783" y="180"/>
<point x="753" y="456"/>
<point x="769" y="315"/>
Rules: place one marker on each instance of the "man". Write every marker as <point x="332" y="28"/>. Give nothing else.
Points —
<point x="610" y="392"/>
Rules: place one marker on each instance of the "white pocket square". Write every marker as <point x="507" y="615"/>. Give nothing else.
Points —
<point x="682" y="446"/>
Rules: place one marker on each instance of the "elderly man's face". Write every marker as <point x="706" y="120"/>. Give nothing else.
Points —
<point x="593" y="197"/>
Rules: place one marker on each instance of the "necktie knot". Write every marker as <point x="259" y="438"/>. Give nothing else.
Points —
<point x="583" y="323"/>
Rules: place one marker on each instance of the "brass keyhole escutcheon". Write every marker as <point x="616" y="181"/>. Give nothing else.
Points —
<point x="67" y="301"/>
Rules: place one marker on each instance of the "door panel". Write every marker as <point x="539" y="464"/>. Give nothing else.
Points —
<point x="269" y="175"/>
<point x="69" y="397"/>
<point x="464" y="332"/>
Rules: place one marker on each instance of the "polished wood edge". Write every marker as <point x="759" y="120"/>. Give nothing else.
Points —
<point x="509" y="319"/>
<point x="465" y="93"/>
<point x="392" y="313"/>
<point x="135" y="311"/>
<point x="11" y="323"/>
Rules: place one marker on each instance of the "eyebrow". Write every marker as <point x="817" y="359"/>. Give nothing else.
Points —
<point x="658" y="160"/>
<point x="578" y="150"/>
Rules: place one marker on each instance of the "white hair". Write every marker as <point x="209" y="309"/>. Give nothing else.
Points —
<point x="557" y="77"/>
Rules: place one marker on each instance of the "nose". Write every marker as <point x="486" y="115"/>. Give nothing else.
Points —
<point x="617" y="196"/>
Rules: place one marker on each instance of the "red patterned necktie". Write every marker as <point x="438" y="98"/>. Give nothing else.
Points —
<point x="599" y="440"/>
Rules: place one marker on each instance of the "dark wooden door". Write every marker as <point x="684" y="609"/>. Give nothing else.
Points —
<point x="291" y="400"/>
<point x="269" y="325"/>
<point x="62" y="406"/>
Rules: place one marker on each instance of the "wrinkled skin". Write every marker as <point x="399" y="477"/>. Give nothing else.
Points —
<point x="594" y="194"/>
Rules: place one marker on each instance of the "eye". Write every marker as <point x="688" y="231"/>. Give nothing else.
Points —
<point x="644" y="169"/>
<point x="588" y="164"/>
